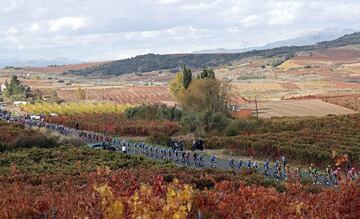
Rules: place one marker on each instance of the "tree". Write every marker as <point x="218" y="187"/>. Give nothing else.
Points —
<point x="187" y="77"/>
<point x="206" y="73"/>
<point x="15" y="90"/>
<point x="203" y="94"/>
<point x="80" y="94"/>
<point x="176" y="85"/>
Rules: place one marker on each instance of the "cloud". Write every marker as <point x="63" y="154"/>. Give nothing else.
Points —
<point x="35" y="27"/>
<point x="108" y="29"/>
<point x="165" y="2"/>
<point x="283" y="13"/>
<point x="73" y="23"/>
<point x="12" y="31"/>
<point x="249" y="20"/>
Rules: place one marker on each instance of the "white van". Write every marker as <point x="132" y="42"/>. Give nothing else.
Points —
<point x="35" y="117"/>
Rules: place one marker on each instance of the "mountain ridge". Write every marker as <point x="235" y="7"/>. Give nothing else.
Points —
<point x="154" y="62"/>
<point x="305" y="39"/>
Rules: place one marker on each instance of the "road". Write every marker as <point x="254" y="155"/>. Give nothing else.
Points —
<point x="221" y="164"/>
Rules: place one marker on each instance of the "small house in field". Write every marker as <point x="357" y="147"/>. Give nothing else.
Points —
<point x="3" y="87"/>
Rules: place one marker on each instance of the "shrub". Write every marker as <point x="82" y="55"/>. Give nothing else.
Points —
<point x="35" y="139"/>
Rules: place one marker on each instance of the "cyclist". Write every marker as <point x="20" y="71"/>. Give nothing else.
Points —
<point x="183" y="155"/>
<point x="156" y="155"/>
<point x="337" y="176"/>
<point x="266" y="167"/>
<point x="150" y="151"/>
<point x="315" y="177"/>
<point x="201" y="160"/>
<point x="328" y="172"/>
<point x="169" y="153"/>
<point x="352" y="174"/>
<point x="232" y="163"/>
<point x="240" y="163"/>
<point x="249" y="164"/>
<point x="213" y="161"/>
<point x="195" y="158"/>
<point x="255" y="165"/>
<point x="278" y="172"/>
<point x="298" y="172"/>
<point x="124" y="149"/>
<point x="188" y="158"/>
<point x="311" y="170"/>
<point x="176" y="156"/>
<point x="276" y="165"/>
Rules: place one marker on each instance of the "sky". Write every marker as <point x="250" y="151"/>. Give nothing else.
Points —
<point x="95" y="30"/>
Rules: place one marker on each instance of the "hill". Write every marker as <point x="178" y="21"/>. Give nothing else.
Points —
<point x="152" y="62"/>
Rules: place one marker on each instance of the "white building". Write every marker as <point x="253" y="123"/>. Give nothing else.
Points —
<point x="3" y="87"/>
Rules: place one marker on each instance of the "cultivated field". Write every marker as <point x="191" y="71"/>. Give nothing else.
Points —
<point x="123" y="95"/>
<point x="350" y="101"/>
<point x="288" y="108"/>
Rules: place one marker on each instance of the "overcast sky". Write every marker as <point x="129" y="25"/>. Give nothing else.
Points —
<point x="112" y="29"/>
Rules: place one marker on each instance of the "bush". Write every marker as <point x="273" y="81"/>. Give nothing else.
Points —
<point x="36" y="139"/>
<point x="188" y="122"/>
<point x="153" y="112"/>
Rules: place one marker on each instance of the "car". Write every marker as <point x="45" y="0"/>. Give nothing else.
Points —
<point x="35" y="117"/>
<point x="97" y="146"/>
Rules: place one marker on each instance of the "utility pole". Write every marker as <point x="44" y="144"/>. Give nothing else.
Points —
<point x="257" y="110"/>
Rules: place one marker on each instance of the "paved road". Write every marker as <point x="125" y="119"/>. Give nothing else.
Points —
<point x="221" y="164"/>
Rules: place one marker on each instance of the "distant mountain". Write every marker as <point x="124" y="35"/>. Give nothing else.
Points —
<point x="36" y="62"/>
<point x="308" y="38"/>
<point x="152" y="62"/>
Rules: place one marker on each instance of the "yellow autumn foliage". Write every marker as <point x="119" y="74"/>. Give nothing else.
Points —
<point x="74" y="108"/>
<point x="144" y="204"/>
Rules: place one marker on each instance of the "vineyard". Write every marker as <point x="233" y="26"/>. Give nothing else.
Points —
<point x="168" y="193"/>
<point x="126" y="95"/>
<point x="311" y="140"/>
<point x="350" y="101"/>
<point x="256" y="87"/>
<point x="115" y="124"/>
<point x="9" y="132"/>
<point x="74" y="108"/>
<point x="285" y="86"/>
<point x="77" y="187"/>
